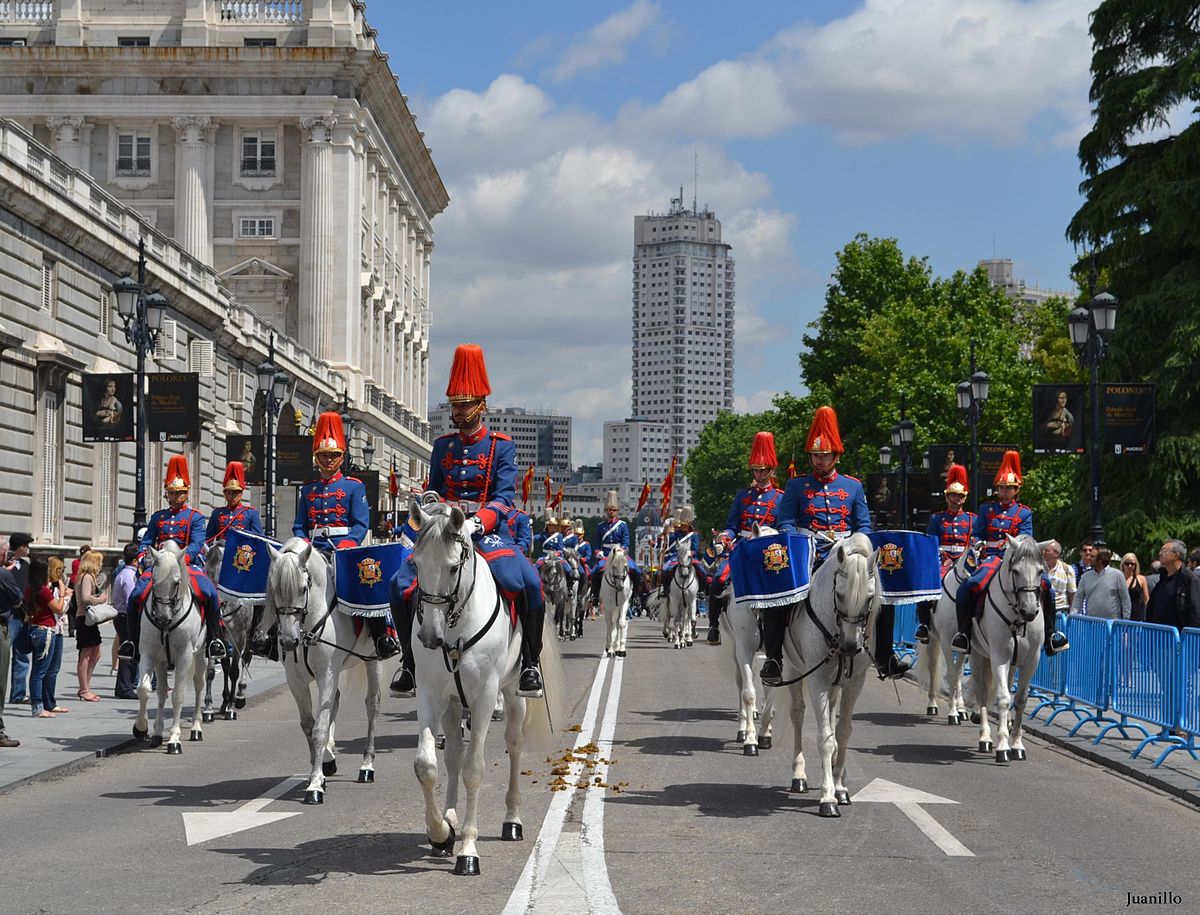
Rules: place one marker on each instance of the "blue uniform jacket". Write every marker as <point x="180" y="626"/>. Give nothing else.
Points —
<point x="953" y="531"/>
<point x="520" y="529"/>
<point x="752" y="505"/>
<point x="241" y="517"/>
<point x="837" y="505"/>
<point x="337" y="505"/>
<point x="612" y="534"/>
<point x="478" y="468"/>
<point x="995" y="520"/>
<point x="185" y="527"/>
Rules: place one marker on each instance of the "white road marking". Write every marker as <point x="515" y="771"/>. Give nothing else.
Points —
<point x="202" y="827"/>
<point x="533" y="877"/>
<point x="909" y="801"/>
<point x="600" y="897"/>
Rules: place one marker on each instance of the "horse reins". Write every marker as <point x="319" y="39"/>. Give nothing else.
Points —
<point x="830" y="640"/>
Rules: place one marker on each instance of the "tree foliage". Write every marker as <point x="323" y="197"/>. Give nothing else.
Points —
<point x="1140" y="227"/>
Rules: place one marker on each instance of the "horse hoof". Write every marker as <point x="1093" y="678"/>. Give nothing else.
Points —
<point x="315" y="796"/>
<point x="366" y="776"/>
<point x="764" y="741"/>
<point x="196" y="736"/>
<point x="741" y="737"/>
<point x="1002" y="757"/>
<point x="621" y="654"/>
<point x="174" y="749"/>
<point x="953" y="719"/>
<point x="511" y="832"/>
<point x="329" y="767"/>
<point x="466" y="866"/>
<point x="829" y="810"/>
<point x="843" y="797"/>
<point x="497" y="714"/>
<point x="609" y="654"/>
<point x="444" y="849"/>
<point x="799" y="785"/>
<point x="688" y="643"/>
<point x="750" y="749"/>
<point x="976" y="718"/>
<point x="231" y="715"/>
<point x="985" y="746"/>
<point x="208" y="716"/>
<point x="140" y="733"/>
<point x="239" y="702"/>
<point x="156" y="741"/>
<point x="1016" y="755"/>
<point x="931" y="711"/>
<point x="440" y="741"/>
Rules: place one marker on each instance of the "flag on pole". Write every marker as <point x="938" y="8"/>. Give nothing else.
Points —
<point x="792" y="464"/>
<point x="549" y="484"/>
<point x="644" y="497"/>
<point x="558" y="498"/>
<point x="527" y="485"/>
<point x="393" y="482"/>
<point x="668" y="487"/>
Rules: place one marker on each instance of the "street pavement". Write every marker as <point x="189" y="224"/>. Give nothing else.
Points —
<point x="685" y="824"/>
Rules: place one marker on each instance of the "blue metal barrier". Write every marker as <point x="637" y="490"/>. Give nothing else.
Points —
<point x="904" y="630"/>
<point x="1145" y="679"/>
<point x="1189" y="696"/>
<point x="1050" y="679"/>
<point x="1088" y="672"/>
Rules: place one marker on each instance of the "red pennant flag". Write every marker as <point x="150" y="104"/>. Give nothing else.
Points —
<point x="668" y="487"/>
<point x="548" y="489"/>
<point x="393" y="484"/>
<point x="558" y="498"/>
<point x="644" y="497"/>
<point x="527" y="485"/>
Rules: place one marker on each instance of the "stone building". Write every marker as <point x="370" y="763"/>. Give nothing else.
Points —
<point x="542" y="437"/>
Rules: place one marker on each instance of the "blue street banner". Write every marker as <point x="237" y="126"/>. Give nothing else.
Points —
<point x="244" y="566"/>
<point x="771" y="571"/>
<point x="361" y="575"/>
<point x="909" y="567"/>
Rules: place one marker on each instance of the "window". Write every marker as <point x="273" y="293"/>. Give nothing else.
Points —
<point x="51" y="466"/>
<point x="133" y="154"/>
<point x="133" y="41"/>
<point x="48" y="290"/>
<point x="258" y="154"/>
<point x="104" y="496"/>
<point x="200" y="357"/>
<point x="256" y="227"/>
<point x="237" y="388"/>
<point x="104" y="312"/>
<point x="164" y="346"/>
<point x="260" y="42"/>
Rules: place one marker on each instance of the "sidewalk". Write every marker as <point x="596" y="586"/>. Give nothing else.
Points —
<point x="91" y="730"/>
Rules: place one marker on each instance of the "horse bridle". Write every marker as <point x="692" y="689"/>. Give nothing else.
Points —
<point x="171" y="622"/>
<point x="301" y="610"/>
<point x="450" y="600"/>
<point x="1015" y="622"/>
<point x="612" y="580"/>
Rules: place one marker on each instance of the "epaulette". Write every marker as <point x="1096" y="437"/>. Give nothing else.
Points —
<point x="501" y="436"/>
<point x="447" y="435"/>
<point x="355" y="479"/>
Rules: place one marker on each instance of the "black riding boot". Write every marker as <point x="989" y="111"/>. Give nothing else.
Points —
<point x="214" y="633"/>
<point x="133" y="623"/>
<point x="924" y="620"/>
<point x="595" y="580"/>
<point x="1055" y="640"/>
<point x="261" y="641"/>
<point x="774" y="624"/>
<point x="386" y="646"/>
<point x="715" y="606"/>
<point x="963" y="602"/>
<point x="635" y="596"/>
<point x="532" y="621"/>
<point x="404" y="683"/>
<point x="889" y="665"/>
<point x="665" y="584"/>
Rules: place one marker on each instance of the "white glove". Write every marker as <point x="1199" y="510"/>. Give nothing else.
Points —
<point x="474" y="526"/>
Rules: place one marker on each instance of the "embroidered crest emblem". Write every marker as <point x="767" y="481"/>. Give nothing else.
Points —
<point x="775" y="557"/>
<point x="243" y="559"/>
<point x="891" y="557"/>
<point x="370" y="572"/>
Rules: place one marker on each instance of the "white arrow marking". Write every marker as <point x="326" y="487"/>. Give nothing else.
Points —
<point x="909" y="800"/>
<point x="201" y="827"/>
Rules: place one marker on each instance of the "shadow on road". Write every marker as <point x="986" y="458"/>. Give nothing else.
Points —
<point x="675" y="745"/>
<point x="892" y="719"/>
<point x="309" y="863"/>
<point x="692" y="714"/>
<point x="722" y="799"/>
<point x="216" y="794"/>
<point x="921" y="753"/>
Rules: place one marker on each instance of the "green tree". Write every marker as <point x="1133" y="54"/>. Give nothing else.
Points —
<point x="1140" y="227"/>
<point x="717" y="467"/>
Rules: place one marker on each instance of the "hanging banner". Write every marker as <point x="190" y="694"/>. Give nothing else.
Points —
<point x="989" y="462"/>
<point x="1058" y="411"/>
<point x="173" y="406"/>
<point x="370" y="479"/>
<point x="940" y="459"/>
<point x="1129" y="418"/>
<point x="293" y="460"/>
<point x="883" y="497"/>
<point x="249" y="450"/>
<point x="108" y="411"/>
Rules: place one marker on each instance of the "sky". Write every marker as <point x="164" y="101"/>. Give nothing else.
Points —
<point x="950" y="125"/>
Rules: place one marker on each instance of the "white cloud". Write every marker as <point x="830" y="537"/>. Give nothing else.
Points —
<point x="609" y="42"/>
<point x="757" y="402"/>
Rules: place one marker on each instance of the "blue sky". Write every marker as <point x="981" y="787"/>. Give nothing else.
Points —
<point x="950" y="125"/>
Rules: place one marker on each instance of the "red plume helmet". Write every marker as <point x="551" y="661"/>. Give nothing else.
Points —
<point x="762" y="452"/>
<point x="956" y="479"/>
<point x="235" y="476"/>
<point x="1009" y="473"/>
<point x="468" y="375"/>
<point x="823" y="434"/>
<point x="329" y="434"/>
<point x="178" y="478"/>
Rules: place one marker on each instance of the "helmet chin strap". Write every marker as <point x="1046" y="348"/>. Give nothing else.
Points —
<point x="475" y="416"/>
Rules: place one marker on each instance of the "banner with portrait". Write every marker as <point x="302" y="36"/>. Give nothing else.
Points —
<point x="990" y="457"/>
<point x="1129" y="418"/>
<point x="108" y="410"/>
<point x="1058" y="412"/>
<point x="293" y="460"/>
<point x="173" y="406"/>
<point x="940" y="459"/>
<point x="883" y="497"/>
<point x="249" y="450"/>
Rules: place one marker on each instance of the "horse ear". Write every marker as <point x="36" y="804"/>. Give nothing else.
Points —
<point x="154" y="554"/>
<point x="307" y="554"/>
<point x="875" y="558"/>
<point x="1012" y="541"/>
<point x="272" y="552"/>
<point x="457" y="518"/>
<point x="416" y="517"/>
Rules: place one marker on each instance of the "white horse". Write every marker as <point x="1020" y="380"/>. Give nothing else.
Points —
<point x="576" y="588"/>
<point x="316" y="644"/>
<point x="824" y="646"/>
<point x="937" y="655"/>
<point x="740" y="631"/>
<point x="556" y="591"/>
<point x="615" y="593"/>
<point x="680" y="621"/>
<point x="1008" y="635"/>
<point x="238" y="616"/>
<point x="175" y="635"/>
<point x="469" y="652"/>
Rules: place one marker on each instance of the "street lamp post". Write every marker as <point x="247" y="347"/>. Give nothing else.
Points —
<point x="885" y="461"/>
<point x="902" y="436"/>
<point x="348" y="428"/>
<point x="142" y="317"/>
<point x="273" y="385"/>
<point x="1089" y="328"/>
<point x="972" y="394"/>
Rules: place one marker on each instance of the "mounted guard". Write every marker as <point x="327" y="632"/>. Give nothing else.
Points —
<point x="612" y="532"/>
<point x="681" y="532"/>
<point x="952" y="528"/>
<point x="236" y="514"/>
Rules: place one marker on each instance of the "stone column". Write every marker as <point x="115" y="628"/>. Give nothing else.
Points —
<point x="316" y="202"/>
<point x="67" y="132"/>
<point x="191" y="201"/>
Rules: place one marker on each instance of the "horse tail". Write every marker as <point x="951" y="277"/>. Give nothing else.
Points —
<point x="544" y="717"/>
<point x="926" y="668"/>
<point x="353" y="683"/>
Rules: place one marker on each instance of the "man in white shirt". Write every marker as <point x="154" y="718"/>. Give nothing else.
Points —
<point x="1061" y="575"/>
<point x="1104" y="593"/>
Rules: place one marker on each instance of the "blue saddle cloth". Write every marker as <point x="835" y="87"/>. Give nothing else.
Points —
<point x="910" y="568"/>
<point x="361" y="576"/>
<point x="771" y="571"/>
<point x="244" y="566"/>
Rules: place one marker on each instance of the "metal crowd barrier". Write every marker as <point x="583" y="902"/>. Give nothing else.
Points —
<point x="1049" y="681"/>
<point x="904" y="630"/>
<point x="1089" y="673"/>
<point x="1145" y="680"/>
<point x="1188" y="696"/>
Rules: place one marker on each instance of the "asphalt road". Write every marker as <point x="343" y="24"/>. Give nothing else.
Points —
<point x="688" y="824"/>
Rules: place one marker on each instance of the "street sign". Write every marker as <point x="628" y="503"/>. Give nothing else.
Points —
<point x="1058" y="411"/>
<point x="249" y="450"/>
<point x="293" y="459"/>
<point x="909" y="801"/>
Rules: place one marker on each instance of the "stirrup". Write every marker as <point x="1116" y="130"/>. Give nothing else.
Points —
<point x="922" y="634"/>
<point x="386" y="647"/>
<point x="530" y="684"/>
<point x="260" y="645"/>
<point x="404" y="684"/>
<point x="771" y="673"/>
<point x="895" y="668"/>
<point x="127" y="651"/>
<point x="960" y="642"/>
<point x="1056" y="643"/>
<point x="216" y="650"/>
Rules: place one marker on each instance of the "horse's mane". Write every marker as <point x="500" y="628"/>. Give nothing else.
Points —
<point x="857" y="547"/>
<point x="289" y="576"/>
<point x="435" y="531"/>
<point x="1023" y="548"/>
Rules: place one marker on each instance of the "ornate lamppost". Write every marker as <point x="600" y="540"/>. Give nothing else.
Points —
<point x="272" y="383"/>
<point x="1089" y="329"/>
<point x="972" y="394"/>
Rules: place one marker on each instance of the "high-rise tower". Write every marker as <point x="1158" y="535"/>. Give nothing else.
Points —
<point x="683" y="309"/>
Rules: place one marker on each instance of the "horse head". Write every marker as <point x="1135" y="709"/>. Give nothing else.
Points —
<point x="683" y="554"/>
<point x="618" y="562"/>
<point x="855" y="590"/>
<point x="296" y="583"/>
<point x="442" y="554"/>
<point x="213" y="555"/>
<point x="170" y="583"/>
<point x="1023" y="568"/>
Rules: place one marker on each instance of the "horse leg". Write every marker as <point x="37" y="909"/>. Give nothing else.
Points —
<point x="610" y="627"/>
<point x="366" y="773"/>
<point x="511" y="830"/>
<point x="931" y="653"/>
<point x="1001" y="679"/>
<point x="749" y="702"/>
<point x="796" y="713"/>
<point x="425" y="767"/>
<point x="160" y="675"/>
<point x="326" y="678"/>
<point x="980" y="674"/>
<point x="329" y="752"/>
<point x="467" y="863"/>
<point x="141" y="726"/>
<point x="845" y="723"/>
<point x="766" y="719"/>
<point x="823" y="699"/>
<point x="199" y="671"/>
<point x="1016" y="742"/>
<point x="452" y="728"/>
<point x="183" y="667"/>
<point x="210" y="673"/>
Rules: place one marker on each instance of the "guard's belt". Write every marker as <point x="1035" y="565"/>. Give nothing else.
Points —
<point x="952" y="548"/>
<point x="341" y="531"/>
<point x="825" y="535"/>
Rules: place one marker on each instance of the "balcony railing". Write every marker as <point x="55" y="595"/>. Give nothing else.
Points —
<point x="258" y="11"/>
<point x="24" y="11"/>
